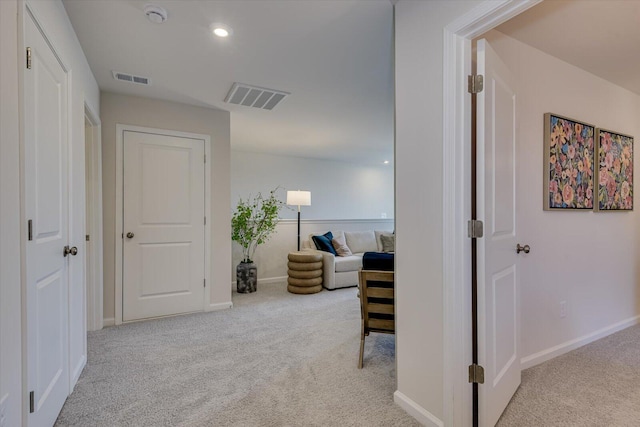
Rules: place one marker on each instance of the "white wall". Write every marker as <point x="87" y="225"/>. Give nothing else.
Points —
<point x="10" y="302"/>
<point x="585" y="258"/>
<point x="131" y="110"/>
<point x="339" y="190"/>
<point x="419" y="42"/>
<point x="419" y="137"/>
<point x="84" y="90"/>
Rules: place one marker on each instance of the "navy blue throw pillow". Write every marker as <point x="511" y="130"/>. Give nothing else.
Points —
<point x="323" y="243"/>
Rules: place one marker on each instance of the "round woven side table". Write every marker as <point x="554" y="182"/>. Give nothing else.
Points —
<point x="305" y="272"/>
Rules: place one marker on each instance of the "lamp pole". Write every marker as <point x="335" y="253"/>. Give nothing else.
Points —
<point x="298" y="227"/>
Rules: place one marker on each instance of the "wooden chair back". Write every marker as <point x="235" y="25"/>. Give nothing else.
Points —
<point x="376" y="304"/>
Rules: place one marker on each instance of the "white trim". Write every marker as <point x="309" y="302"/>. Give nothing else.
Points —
<point x="560" y="349"/>
<point x="457" y="195"/>
<point x="108" y="321"/>
<point x="120" y="128"/>
<point x="423" y="416"/>
<point x="208" y="155"/>
<point x="219" y="306"/>
<point x="94" y="280"/>
<point x="337" y="221"/>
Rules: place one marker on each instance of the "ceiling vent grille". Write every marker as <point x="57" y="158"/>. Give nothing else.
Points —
<point x="131" y="78"/>
<point x="253" y="96"/>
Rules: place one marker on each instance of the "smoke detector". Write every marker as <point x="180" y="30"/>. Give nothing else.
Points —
<point x="155" y="14"/>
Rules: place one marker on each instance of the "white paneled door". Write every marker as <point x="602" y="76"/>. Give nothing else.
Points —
<point x="163" y="225"/>
<point x="498" y="307"/>
<point x="46" y="144"/>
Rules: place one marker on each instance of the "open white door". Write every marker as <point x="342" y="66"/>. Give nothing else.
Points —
<point x="498" y="294"/>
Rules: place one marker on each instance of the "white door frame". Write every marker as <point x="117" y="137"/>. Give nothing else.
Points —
<point x="119" y="205"/>
<point x="457" y="198"/>
<point x="94" y="278"/>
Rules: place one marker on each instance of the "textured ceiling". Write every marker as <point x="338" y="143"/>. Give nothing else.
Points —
<point x="333" y="56"/>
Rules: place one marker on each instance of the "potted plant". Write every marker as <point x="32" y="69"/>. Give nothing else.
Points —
<point x="252" y="223"/>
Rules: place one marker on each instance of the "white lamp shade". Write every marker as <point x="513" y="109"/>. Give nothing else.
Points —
<point x="299" y="198"/>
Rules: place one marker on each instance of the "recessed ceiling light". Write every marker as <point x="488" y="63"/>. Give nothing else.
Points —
<point x="221" y="30"/>
<point x="386" y="162"/>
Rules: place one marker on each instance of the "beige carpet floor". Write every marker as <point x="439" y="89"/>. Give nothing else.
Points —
<point x="275" y="359"/>
<point x="597" y="385"/>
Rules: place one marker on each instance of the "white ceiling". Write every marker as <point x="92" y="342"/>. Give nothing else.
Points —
<point x="333" y="56"/>
<point x="599" y="36"/>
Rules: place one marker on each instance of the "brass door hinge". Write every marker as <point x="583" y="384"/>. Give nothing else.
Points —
<point x="475" y="229"/>
<point x="475" y="83"/>
<point x="28" y="58"/>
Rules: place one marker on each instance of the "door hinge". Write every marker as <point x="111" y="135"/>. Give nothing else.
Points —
<point x="475" y="229"/>
<point x="476" y="374"/>
<point x="205" y="220"/>
<point x="32" y="402"/>
<point x="475" y="83"/>
<point x="28" y="58"/>
<point x="87" y="237"/>
<point x="30" y="229"/>
<point x="205" y="158"/>
<point x="204" y="283"/>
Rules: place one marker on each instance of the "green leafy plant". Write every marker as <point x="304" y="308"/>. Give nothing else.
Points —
<point x="254" y="221"/>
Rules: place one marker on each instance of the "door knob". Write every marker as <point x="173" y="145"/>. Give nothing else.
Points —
<point x="67" y="250"/>
<point x="526" y="249"/>
<point x="130" y="235"/>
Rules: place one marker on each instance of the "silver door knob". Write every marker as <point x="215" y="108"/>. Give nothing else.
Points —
<point x="130" y="235"/>
<point x="67" y="250"/>
<point x="526" y="249"/>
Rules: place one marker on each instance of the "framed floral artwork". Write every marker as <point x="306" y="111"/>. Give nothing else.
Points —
<point x="615" y="171"/>
<point x="569" y="167"/>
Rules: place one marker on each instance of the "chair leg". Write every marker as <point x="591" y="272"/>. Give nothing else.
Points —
<point x="361" y="351"/>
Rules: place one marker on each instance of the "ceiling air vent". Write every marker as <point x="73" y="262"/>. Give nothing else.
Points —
<point x="253" y="96"/>
<point x="131" y="78"/>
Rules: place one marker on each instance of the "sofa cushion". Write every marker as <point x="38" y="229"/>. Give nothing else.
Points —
<point x="323" y="242"/>
<point x="310" y="243"/>
<point x="361" y="241"/>
<point x="388" y="242"/>
<point x="378" y="234"/>
<point x="348" y="263"/>
<point x="341" y="246"/>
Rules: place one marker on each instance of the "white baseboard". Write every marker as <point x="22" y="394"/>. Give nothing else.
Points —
<point x="108" y="321"/>
<point x="219" y="306"/>
<point x="267" y="281"/>
<point x="270" y="280"/>
<point x="423" y="416"/>
<point x="558" y="350"/>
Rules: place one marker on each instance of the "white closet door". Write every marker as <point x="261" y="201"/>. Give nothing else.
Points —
<point x="46" y="205"/>
<point x="163" y="254"/>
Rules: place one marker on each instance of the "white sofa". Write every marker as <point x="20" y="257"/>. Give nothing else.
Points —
<point x="342" y="272"/>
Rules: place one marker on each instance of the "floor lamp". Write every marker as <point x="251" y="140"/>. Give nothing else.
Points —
<point x="299" y="198"/>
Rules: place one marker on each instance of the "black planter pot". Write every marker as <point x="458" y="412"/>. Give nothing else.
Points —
<point x="247" y="277"/>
